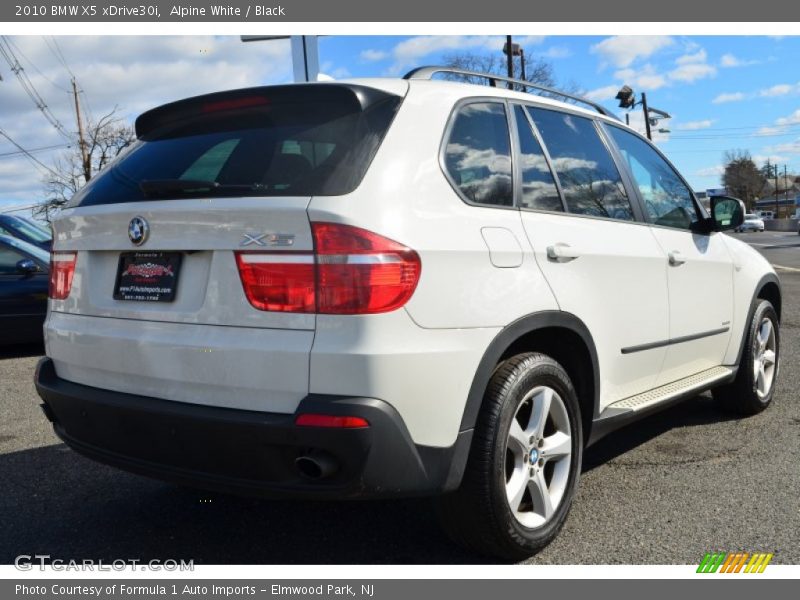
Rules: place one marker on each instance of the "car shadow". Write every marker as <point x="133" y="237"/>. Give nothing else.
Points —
<point x="59" y="503"/>
<point x="697" y="411"/>
<point x="21" y="350"/>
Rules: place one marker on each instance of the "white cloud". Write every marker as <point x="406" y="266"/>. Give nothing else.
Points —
<point x="556" y="52"/>
<point x="772" y="158"/>
<point x="768" y="131"/>
<point x="781" y="89"/>
<point x="698" y="57"/>
<point x="729" y="61"/>
<point x="604" y="93"/>
<point x="728" y="97"/>
<point x="689" y="72"/>
<point x="787" y="148"/>
<point x="370" y="55"/>
<point x="133" y="72"/>
<point x="645" y="77"/>
<point x="714" y="171"/>
<point x="621" y="51"/>
<point x="792" y="119"/>
<point x="694" y="125"/>
<point x="409" y="52"/>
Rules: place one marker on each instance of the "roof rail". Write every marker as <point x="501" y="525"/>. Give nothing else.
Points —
<point x="429" y="72"/>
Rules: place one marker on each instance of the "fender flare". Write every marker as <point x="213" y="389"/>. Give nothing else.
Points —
<point x="768" y="278"/>
<point x="503" y="341"/>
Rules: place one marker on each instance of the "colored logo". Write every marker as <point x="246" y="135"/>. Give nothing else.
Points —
<point x="734" y="562"/>
<point x="138" y="230"/>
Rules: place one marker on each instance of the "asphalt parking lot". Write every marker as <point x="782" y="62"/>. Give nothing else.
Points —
<point x="664" y="490"/>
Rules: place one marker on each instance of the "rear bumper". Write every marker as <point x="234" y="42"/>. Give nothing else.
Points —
<point x="248" y="452"/>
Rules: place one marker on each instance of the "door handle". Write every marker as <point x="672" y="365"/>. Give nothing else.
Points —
<point x="676" y="259"/>
<point x="562" y="252"/>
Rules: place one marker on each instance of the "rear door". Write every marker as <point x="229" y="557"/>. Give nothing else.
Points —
<point x="601" y="261"/>
<point x="699" y="267"/>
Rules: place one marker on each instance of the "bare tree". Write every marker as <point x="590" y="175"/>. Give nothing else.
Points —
<point x="105" y="139"/>
<point x="536" y="70"/>
<point x="742" y="178"/>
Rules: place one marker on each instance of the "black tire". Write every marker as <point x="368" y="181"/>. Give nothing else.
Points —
<point x="478" y="515"/>
<point x="742" y="396"/>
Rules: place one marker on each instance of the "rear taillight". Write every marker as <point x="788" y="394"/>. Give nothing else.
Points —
<point x="360" y="272"/>
<point x="62" y="269"/>
<point x="278" y="281"/>
<point x="352" y="271"/>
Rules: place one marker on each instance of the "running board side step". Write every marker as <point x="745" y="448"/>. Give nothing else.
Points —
<point x="629" y="409"/>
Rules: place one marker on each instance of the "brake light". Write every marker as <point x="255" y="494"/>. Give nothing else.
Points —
<point x="235" y="104"/>
<point x="352" y="271"/>
<point x="360" y="272"/>
<point x="313" y="420"/>
<point x="62" y="269"/>
<point x="281" y="282"/>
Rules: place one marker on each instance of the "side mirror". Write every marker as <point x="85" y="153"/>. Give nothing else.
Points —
<point x="726" y="213"/>
<point x="27" y="267"/>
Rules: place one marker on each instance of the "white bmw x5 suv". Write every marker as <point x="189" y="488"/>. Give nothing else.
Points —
<point x="397" y="287"/>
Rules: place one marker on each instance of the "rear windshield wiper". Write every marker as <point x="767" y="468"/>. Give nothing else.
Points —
<point x="169" y="187"/>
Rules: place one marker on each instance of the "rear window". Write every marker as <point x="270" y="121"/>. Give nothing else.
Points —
<point x="281" y="141"/>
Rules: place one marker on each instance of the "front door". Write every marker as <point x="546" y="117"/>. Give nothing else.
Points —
<point x="601" y="261"/>
<point x="699" y="268"/>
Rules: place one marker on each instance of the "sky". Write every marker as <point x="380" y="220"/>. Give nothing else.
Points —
<point x="723" y="92"/>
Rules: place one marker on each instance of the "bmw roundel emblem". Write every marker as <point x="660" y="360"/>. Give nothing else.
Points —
<point x="138" y="230"/>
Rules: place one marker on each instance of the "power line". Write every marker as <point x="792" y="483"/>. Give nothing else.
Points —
<point x="30" y="156"/>
<point x="33" y="150"/>
<point x="35" y="68"/>
<point x="8" y="54"/>
<point x="59" y="54"/>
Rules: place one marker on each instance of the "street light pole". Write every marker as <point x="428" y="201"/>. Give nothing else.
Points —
<point x="510" y="61"/>
<point x="646" y="116"/>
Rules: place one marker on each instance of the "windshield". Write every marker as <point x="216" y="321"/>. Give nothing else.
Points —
<point x="296" y="141"/>
<point x="30" y="249"/>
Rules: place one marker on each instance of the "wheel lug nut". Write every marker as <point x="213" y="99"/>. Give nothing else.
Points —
<point x="532" y="472"/>
<point x="541" y="443"/>
<point x="533" y="440"/>
<point x="541" y="462"/>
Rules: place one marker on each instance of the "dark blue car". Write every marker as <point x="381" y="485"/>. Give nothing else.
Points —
<point x="26" y="230"/>
<point x="24" y="277"/>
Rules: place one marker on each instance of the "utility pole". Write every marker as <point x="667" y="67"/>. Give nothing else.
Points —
<point x="777" y="206"/>
<point x="785" y="186"/>
<point x="87" y="166"/>
<point x="646" y="116"/>
<point x="510" y="61"/>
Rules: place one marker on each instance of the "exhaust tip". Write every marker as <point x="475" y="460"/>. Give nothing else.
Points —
<point x="316" y="466"/>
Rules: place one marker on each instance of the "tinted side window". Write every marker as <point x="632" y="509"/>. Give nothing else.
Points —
<point x="538" y="185"/>
<point x="8" y="260"/>
<point x="589" y="178"/>
<point x="478" y="154"/>
<point x="666" y="198"/>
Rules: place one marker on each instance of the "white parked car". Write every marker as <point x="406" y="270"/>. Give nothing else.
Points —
<point x="751" y="223"/>
<point x="394" y="287"/>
